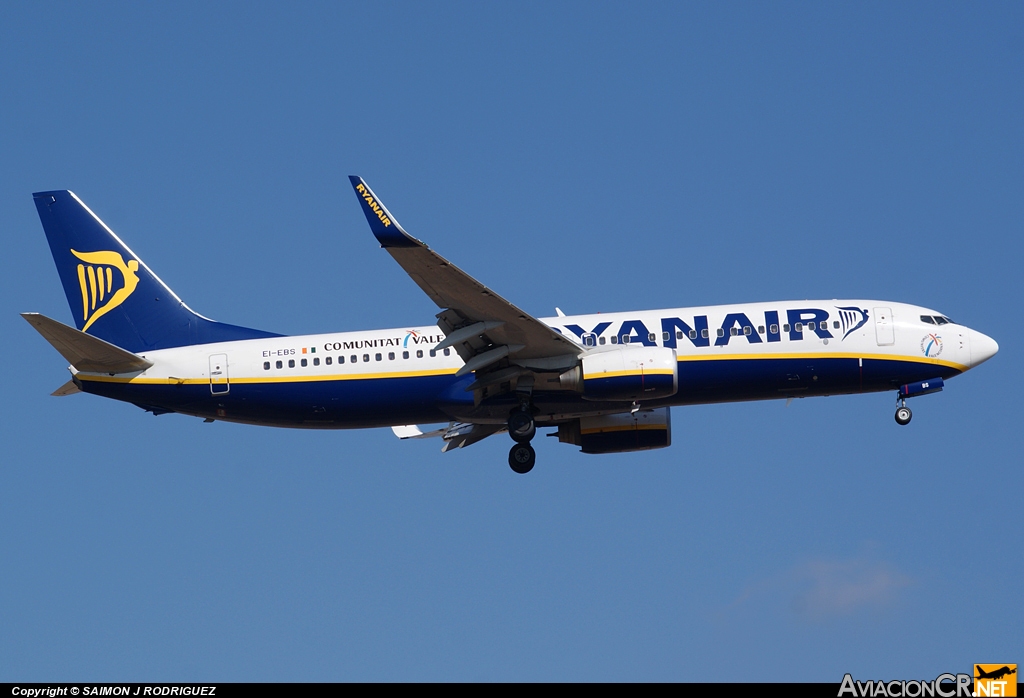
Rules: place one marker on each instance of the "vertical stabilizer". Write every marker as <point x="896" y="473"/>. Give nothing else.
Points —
<point x="112" y="293"/>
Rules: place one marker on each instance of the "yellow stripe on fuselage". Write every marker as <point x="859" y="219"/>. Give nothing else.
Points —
<point x="145" y="380"/>
<point x="823" y="355"/>
<point x="626" y="427"/>
<point x="619" y="374"/>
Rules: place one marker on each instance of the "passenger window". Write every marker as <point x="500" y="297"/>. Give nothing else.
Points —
<point x="733" y="331"/>
<point x="799" y="327"/>
<point x="316" y="361"/>
<point x="653" y="337"/>
<point x="378" y="357"/>
<point x="391" y="356"/>
<point x="419" y="353"/>
<point x="785" y="328"/>
<point x="353" y="359"/>
<point x="304" y="363"/>
<point x="291" y="363"/>
<point x="279" y="364"/>
<point x="746" y="330"/>
<point x="760" y="329"/>
<point x="447" y="351"/>
<point x="774" y="329"/>
<point x="266" y="365"/>
<point x="405" y="355"/>
<point x="625" y="339"/>
<point x="664" y="336"/>
<point x="328" y="361"/>
<point x="720" y="332"/>
<point x="679" y="334"/>
<point x="693" y="334"/>
<point x="704" y="333"/>
<point x="600" y="340"/>
<point x="433" y="353"/>
<point x="615" y="340"/>
<point x="366" y="358"/>
<point x="835" y="324"/>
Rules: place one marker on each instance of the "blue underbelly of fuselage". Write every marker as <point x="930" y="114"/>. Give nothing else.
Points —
<point x="382" y="402"/>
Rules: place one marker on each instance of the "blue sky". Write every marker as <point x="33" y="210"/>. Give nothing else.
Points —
<point x="593" y="156"/>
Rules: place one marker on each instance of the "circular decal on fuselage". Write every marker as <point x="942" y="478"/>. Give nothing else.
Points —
<point x="931" y="345"/>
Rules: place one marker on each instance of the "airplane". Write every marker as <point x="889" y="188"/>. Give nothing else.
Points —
<point x="604" y="382"/>
<point x="995" y="674"/>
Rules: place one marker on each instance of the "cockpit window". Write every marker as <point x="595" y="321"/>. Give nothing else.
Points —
<point x="928" y="319"/>
<point x="939" y="320"/>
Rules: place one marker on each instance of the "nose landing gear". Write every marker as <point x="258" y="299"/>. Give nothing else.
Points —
<point x="903" y="413"/>
<point x="932" y="385"/>
<point x="522" y="429"/>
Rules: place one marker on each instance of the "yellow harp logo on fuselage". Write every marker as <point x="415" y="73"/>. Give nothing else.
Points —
<point x="96" y="279"/>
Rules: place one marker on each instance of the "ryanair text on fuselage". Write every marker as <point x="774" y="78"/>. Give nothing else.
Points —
<point x="734" y="326"/>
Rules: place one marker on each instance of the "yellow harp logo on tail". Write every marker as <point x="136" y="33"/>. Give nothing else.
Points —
<point x="96" y="279"/>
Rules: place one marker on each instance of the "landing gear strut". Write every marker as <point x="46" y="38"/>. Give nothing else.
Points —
<point x="903" y="413"/>
<point x="522" y="429"/>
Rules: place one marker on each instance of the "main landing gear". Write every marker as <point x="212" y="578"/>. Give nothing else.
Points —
<point x="903" y="413"/>
<point x="522" y="458"/>
<point x="522" y="429"/>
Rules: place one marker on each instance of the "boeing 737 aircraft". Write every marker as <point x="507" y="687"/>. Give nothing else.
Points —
<point x="605" y="382"/>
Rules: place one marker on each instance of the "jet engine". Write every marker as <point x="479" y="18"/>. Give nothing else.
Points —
<point x="619" y="433"/>
<point x="633" y="373"/>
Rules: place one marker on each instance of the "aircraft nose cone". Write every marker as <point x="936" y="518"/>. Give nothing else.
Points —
<point x="983" y="348"/>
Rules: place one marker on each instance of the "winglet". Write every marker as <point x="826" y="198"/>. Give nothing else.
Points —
<point x="384" y="226"/>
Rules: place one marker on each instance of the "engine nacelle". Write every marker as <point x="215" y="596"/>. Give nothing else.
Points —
<point x="620" y="433"/>
<point x="634" y="373"/>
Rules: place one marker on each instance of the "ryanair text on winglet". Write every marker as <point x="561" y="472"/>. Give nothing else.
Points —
<point x="374" y="206"/>
<point x="944" y="686"/>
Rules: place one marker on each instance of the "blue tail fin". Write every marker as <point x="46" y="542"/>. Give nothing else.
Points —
<point x="112" y="293"/>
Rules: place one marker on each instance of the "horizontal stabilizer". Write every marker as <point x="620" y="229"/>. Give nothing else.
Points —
<point x="68" y="388"/>
<point x="411" y="431"/>
<point x="83" y="351"/>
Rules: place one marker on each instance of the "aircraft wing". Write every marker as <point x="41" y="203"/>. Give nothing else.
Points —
<point x="483" y="327"/>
